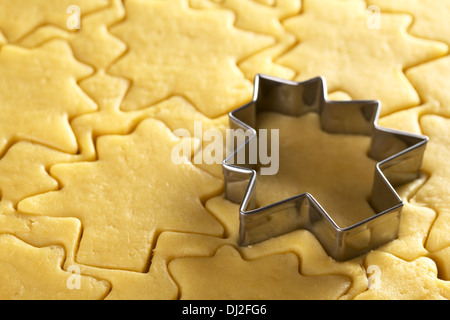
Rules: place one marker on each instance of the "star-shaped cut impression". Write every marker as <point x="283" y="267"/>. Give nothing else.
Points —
<point x="396" y="158"/>
<point x="228" y="274"/>
<point x="39" y="94"/>
<point x="19" y="18"/>
<point x="171" y="50"/>
<point x="365" y="61"/>
<point x="126" y="198"/>
<point x="36" y="273"/>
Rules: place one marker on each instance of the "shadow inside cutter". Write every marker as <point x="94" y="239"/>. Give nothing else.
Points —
<point x="399" y="157"/>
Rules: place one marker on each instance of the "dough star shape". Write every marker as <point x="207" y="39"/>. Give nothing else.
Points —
<point x="240" y="279"/>
<point x="130" y="194"/>
<point x="417" y="281"/>
<point x="39" y="94"/>
<point x="35" y="273"/>
<point x="176" y="50"/>
<point x="430" y="17"/>
<point x="92" y="43"/>
<point x="431" y="82"/>
<point x="365" y="63"/>
<point x="19" y="17"/>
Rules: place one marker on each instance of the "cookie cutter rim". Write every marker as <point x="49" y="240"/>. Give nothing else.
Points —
<point x="398" y="154"/>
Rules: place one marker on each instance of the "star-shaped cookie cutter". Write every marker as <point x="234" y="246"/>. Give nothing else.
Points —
<point x="398" y="154"/>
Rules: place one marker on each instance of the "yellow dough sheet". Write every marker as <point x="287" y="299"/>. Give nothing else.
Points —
<point x="91" y="92"/>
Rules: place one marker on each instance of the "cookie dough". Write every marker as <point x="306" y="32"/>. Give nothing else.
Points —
<point x="93" y="204"/>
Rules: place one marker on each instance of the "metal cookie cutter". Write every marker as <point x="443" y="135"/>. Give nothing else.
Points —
<point x="399" y="157"/>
